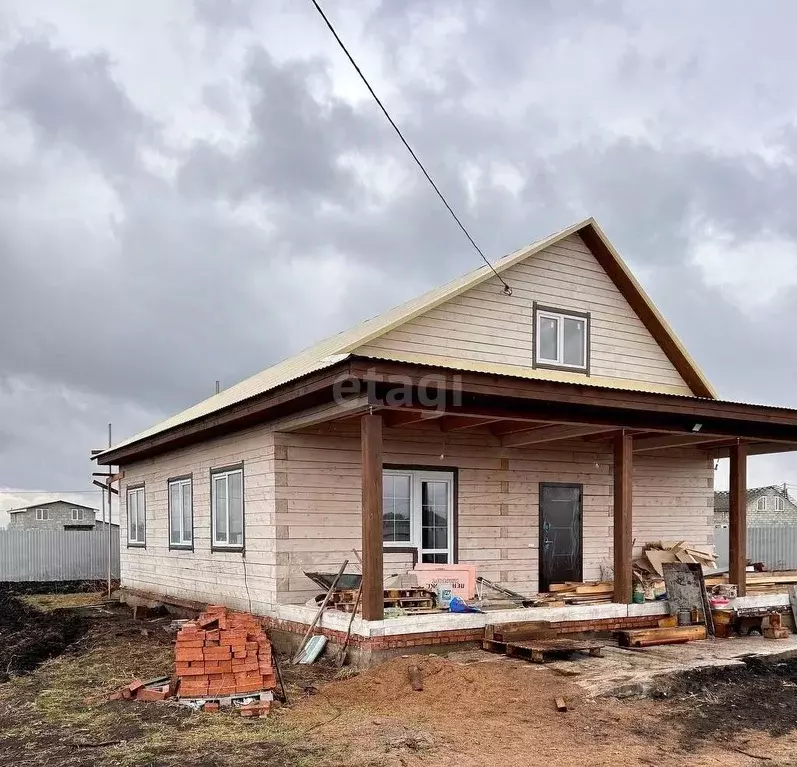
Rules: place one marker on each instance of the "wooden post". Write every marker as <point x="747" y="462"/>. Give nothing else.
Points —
<point x="623" y="495"/>
<point x="372" y="589"/>
<point x="737" y="518"/>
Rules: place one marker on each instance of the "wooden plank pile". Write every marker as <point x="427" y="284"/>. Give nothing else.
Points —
<point x="572" y="593"/>
<point x="661" y="636"/>
<point x="223" y="654"/>
<point x="411" y="600"/>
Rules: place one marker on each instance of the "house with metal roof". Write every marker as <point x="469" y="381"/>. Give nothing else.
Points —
<point x="770" y="505"/>
<point x="540" y="422"/>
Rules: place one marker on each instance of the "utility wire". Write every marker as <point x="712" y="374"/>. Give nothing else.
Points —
<point x="507" y="289"/>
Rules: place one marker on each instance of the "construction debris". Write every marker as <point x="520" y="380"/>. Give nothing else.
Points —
<point x="560" y="704"/>
<point x="536" y="641"/>
<point x="415" y="678"/>
<point x="661" y="636"/>
<point x="572" y="593"/>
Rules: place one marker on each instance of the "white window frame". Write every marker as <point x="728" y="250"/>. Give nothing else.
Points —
<point x="185" y="541"/>
<point x="417" y="477"/>
<point x="215" y="475"/>
<point x="560" y="317"/>
<point x="77" y="515"/>
<point x="761" y="504"/>
<point x="141" y="515"/>
<point x="42" y="515"/>
<point x="780" y="504"/>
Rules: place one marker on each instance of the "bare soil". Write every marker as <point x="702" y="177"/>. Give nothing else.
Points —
<point x="475" y="709"/>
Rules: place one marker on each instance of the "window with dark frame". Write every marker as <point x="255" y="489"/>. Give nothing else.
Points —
<point x="136" y="517"/>
<point x="77" y="515"/>
<point x="181" y="532"/>
<point x="227" y="508"/>
<point x="561" y="338"/>
<point x="42" y="515"/>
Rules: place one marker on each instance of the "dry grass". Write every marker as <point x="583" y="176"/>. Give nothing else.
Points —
<point x="59" y="601"/>
<point x="55" y="716"/>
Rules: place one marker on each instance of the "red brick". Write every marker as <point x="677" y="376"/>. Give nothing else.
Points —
<point x="189" y="654"/>
<point x="208" y="621"/>
<point x="217" y="653"/>
<point x="216" y="609"/>
<point x="188" y="670"/>
<point x="225" y="666"/>
<point x="152" y="695"/>
<point x="212" y="636"/>
<point x="211" y="706"/>
<point x="251" y="645"/>
<point x="184" y="643"/>
<point x="131" y="689"/>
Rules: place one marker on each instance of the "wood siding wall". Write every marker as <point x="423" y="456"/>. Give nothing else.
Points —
<point x="318" y="500"/>
<point x="483" y="325"/>
<point x="202" y="574"/>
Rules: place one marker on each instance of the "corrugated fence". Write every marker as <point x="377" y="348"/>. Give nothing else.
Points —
<point x="774" y="545"/>
<point x="57" y="555"/>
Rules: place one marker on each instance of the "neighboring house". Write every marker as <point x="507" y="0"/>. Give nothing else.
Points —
<point x="770" y="505"/>
<point x="541" y="433"/>
<point x="55" y="515"/>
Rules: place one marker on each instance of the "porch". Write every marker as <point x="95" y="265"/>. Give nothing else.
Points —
<point x="652" y="455"/>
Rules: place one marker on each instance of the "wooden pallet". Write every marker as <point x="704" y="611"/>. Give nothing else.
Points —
<point x="541" y="650"/>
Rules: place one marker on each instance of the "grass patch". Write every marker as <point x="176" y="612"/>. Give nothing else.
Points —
<point x="49" y="602"/>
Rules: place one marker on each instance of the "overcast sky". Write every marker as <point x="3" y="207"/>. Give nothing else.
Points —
<point x="193" y="191"/>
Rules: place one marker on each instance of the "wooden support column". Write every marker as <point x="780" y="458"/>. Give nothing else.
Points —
<point x="737" y="518"/>
<point x="372" y="589"/>
<point x="623" y="495"/>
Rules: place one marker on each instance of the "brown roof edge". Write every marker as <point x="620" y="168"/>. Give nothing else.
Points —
<point x="657" y="326"/>
<point x="291" y="397"/>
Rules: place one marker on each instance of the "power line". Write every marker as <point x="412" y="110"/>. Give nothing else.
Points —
<point x="507" y="289"/>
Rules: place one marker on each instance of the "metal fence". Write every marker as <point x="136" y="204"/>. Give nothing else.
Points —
<point x="774" y="545"/>
<point x="57" y="555"/>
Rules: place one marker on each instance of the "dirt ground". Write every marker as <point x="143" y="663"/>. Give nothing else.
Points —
<point x="475" y="709"/>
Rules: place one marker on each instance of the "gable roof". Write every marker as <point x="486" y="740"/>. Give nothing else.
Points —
<point x="51" y="503"/>
<point x="722" y="497"/>
<point x="339" y="347"/>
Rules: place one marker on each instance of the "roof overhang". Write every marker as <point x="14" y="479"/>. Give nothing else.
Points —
<point x="360" y="384"/>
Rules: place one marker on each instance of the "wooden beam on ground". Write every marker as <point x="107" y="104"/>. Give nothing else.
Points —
<point x="459" y="423"/>
<point x="397" y="418"/>
<point x="737" y="518"/>
<point x="623" y="501"/>
<point x="373" y="597"/>
<point x="549" y="434"/>
<point x="677" y="440"/>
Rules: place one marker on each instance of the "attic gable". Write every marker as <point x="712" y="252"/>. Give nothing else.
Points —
<point x="480" y="328"/>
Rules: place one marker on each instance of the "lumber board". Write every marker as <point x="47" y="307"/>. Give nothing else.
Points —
<point x="660" y="636"/>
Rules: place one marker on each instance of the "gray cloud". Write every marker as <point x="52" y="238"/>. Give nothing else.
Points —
<point x="148" y="249"/>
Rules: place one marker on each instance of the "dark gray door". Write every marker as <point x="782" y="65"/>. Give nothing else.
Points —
<point x="560" y="533"/>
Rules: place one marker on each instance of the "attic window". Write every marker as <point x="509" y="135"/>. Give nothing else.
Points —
<point x="42" y="515"/>
<point x="761" y="503"/>
<point x="77" y="515"/>
<point x="561" y="339"/>
<point x="780" y="504"/>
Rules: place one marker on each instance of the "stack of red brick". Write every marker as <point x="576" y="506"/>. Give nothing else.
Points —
<point x="223" y="653"/>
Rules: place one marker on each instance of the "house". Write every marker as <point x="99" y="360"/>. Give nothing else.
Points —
<point x="540" y="421"/>
<point x="769" y="505"/>
<point x="55" y="515"/>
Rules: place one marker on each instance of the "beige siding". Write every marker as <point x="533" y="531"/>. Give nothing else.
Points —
<point x="484" y="326"/>
<point x="318" y="506"/>
<point x="201" y="574"/>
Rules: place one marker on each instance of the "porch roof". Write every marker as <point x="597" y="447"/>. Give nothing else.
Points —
<point x="519" y="410"/>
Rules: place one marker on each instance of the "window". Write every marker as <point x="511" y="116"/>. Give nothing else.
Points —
<point x="77" y="515"/>
<point x="417" y="509"/>
<point x="42" y="515"/>
<point x="561" y="338"/>
<point x="180" y="513"/>
<point x="761" y="503"/>
<point x="227" y="508"/>
<point x="136" y="517"/>
<point x="780" y="504"/>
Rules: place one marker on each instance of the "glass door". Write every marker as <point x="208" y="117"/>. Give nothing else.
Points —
<point x="435" y="500"/>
